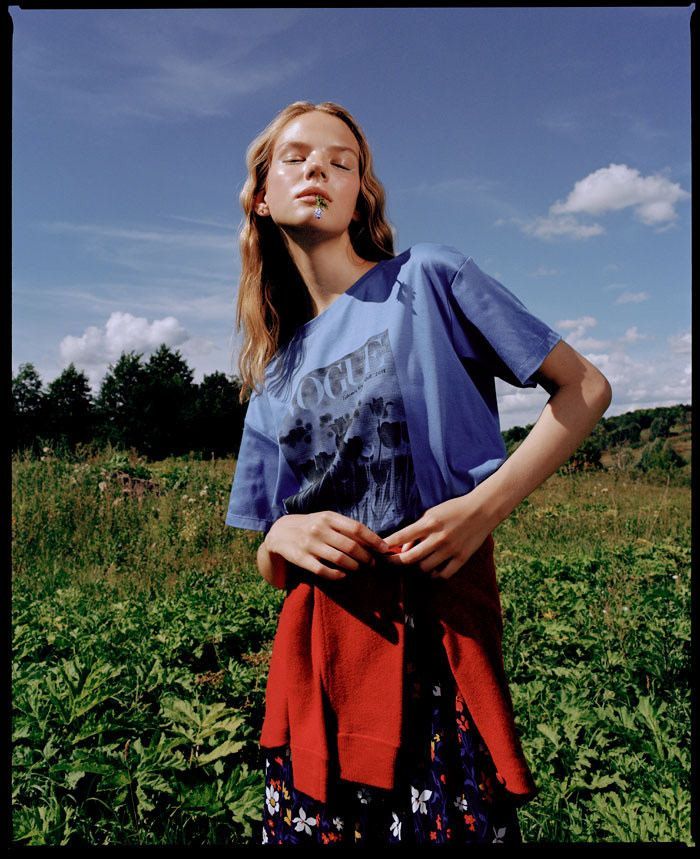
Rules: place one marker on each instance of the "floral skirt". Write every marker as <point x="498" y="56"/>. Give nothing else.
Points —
<point x="446" y="790"/>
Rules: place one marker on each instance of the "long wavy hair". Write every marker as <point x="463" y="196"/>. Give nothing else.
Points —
<point x="273" y="300"/>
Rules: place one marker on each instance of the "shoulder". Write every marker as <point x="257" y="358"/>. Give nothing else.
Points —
<point x="443" y="261"/>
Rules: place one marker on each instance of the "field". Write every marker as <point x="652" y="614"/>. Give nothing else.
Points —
<point x="142" y="634"/>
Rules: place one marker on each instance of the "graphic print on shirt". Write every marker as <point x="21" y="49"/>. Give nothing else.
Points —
<point x="346" y="438"/>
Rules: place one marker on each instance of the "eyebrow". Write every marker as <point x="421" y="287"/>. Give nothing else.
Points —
<point x="335" y="147"/>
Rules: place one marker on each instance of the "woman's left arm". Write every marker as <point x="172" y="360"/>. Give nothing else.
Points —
<point x="451" y="532"/>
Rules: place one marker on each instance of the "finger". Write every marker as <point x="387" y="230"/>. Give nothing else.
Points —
<point x="308" y="561"/>
<point x="413" y="556"/>
<point x="351" y="548"/>
<point x="329" y="552"/>
<point x="360" y="532"/>
<point x="446" y="569"/>
<point x="320" y="569"/>
<point x="409" y="534"/>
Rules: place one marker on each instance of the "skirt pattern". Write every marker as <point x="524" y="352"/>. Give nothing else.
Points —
<point x="446" y="790"/>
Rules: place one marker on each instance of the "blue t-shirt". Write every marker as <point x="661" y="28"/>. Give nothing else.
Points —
<point x="384" y="404"/>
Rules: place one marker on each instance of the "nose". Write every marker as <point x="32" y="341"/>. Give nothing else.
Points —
<point x="314" y="166"/>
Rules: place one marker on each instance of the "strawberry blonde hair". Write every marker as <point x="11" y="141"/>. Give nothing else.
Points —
<point x="273" y="300"/>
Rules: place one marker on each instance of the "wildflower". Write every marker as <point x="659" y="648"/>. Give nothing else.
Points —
<point x="498" y="835"/>
<point x="264" y="837"/>
<point x="338" y="823"/>
<point x="272" y="798"/>
<point x="418" y="799"/>
<point x="304" y="823"/>
<point x="363" y="795"/>
<point x="102" y="485"/>
<point x="202" y="493"/>
<point x="395" y="827"/>
<point x="625" y="608"/>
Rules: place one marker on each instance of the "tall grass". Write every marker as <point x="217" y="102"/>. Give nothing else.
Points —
<point x="139" y="619"/>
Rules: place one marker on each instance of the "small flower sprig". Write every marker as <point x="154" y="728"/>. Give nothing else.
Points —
<point x="321" y="204"/>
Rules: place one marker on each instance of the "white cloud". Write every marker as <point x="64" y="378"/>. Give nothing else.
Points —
<point x="576" y="327"/>
<point x="123" y="332"/>
<point x="632" y="297"/>
<point x="548" y="227"/>
<point x="632" y="335"/>
<point x="653" y="198"/>
<point x="681" y="344"/>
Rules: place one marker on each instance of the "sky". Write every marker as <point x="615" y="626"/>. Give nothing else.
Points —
<point x="551" y="145"/>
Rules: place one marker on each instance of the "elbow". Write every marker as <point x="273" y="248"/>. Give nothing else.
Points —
<point x="603" y="393"/>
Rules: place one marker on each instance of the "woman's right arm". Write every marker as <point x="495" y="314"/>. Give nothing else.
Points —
<point x="308" y="539"/>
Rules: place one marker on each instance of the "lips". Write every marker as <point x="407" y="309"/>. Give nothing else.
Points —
<point x="314" y="192"/>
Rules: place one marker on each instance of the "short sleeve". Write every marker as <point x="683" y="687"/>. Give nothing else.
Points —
<point x="256" y="480"/>
<point x="494" y="328"/>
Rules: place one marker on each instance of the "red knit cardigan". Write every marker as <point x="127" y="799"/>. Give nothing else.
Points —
<point x="335" y="685"/>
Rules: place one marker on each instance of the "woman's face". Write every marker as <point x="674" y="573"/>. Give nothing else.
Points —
<point x="315" y="151"/>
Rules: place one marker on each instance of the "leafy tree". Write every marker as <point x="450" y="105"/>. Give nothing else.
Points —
<point x="588" y="454"/>
<point x="660" y="456"/>
<point x="661" y="426"/>
<point x="218" y="416"/>
<point x="169" y="404"/>
<point x="121" y="402"/>
<point x="628" y="431"/>
<point x="27" y="406"/>
<point x="69" y="408"/>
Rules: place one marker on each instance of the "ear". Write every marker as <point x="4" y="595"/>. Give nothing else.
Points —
<point x="260" y="206"/>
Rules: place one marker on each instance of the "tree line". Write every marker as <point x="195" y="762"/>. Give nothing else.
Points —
<point x="625" y="431"/>
<point x="154" y="407"/>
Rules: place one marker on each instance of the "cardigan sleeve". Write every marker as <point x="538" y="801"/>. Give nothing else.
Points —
<point x="493" y="328"/>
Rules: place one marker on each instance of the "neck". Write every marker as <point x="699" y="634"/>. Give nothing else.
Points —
<point x="328" y="267"/>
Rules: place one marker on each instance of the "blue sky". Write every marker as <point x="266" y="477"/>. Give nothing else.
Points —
<point x="552" y="145"/>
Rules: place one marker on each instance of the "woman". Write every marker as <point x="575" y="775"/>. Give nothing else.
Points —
<point x="373" y="461"/>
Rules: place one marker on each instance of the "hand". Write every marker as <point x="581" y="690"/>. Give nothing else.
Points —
<point x="307" y="539"/>
<point x="446" y="535"/>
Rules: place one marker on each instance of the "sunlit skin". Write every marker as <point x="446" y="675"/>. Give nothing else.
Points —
<point x="316" y="150"/>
